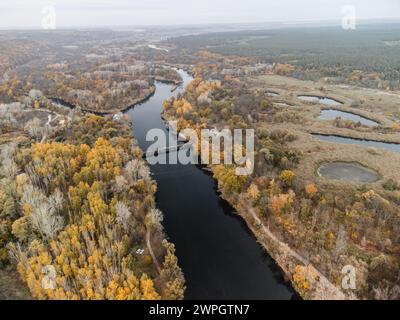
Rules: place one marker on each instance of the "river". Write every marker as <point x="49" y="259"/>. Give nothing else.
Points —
<point x="219" y="255"/>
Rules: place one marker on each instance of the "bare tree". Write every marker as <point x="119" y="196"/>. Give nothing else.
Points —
<point x="44" y="217"/>
<point x="45" y="220"/>
<point x="123" y="215"/>
<point x="387" y="293"/>
<point x="135" y="170"/>
<point x="120" y="185"/>
<point x="36" y="129"/>
<point x="7" y="118"/>
<point x="8" y="166"/>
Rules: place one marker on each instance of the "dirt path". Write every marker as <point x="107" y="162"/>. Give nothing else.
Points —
<point x="324" y="289"/>
<point x="149" y="247"/>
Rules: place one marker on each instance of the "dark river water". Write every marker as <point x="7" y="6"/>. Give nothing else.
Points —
<point x="220" y="257"/>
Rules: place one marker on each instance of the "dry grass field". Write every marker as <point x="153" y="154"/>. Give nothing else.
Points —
<point x="380" y="106"/>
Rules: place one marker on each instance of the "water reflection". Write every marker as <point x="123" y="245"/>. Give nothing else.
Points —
<point x="332" y="114"/>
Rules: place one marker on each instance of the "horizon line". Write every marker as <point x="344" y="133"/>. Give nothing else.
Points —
<point x="277" y="22"/>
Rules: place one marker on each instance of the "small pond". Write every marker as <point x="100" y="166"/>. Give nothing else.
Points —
<point x="272" y="94"/>
<point x="332" y="114"/>
<point x="327" y="101"/>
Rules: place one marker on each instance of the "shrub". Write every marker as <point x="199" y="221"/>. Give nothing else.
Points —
<point x="391" y="185"/>
<point x="311" y="189"/>
<point x="287" y="177"/>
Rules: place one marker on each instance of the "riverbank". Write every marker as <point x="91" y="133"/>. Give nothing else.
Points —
<point x="137" y="101"/>
<point x="320" y="288"/>
<point x="104" y="112"/>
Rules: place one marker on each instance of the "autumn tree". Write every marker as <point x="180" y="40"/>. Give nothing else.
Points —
<point x="77" y="218"/>
<point x="228" y="180"/>
<point x="287" y="177"/>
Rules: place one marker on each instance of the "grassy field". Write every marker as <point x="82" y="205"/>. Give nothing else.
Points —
<point x="378" y="105"/>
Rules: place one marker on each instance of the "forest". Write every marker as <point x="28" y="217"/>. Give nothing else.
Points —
<point x="367" y="56"/>
<point x="81" y="200"/>
<point x="100" y="78"/>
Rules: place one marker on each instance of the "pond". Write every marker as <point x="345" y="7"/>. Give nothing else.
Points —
<point x="346" y="171"/>
<point x="332" y="114"/>
<point x="390" y="146"/>
<point x="323" y="100"/>
<point x="272" y="94"/>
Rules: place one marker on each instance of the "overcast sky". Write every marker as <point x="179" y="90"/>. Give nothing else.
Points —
<point x="72" y="13"/>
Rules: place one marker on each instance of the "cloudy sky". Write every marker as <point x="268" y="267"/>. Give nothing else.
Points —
<point x="72" y="13"/>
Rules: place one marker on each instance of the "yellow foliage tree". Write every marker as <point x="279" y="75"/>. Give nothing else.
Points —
<point x="253" y="192"/>
<point x="287" y="177"/>
<point x="281" y="203"/>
